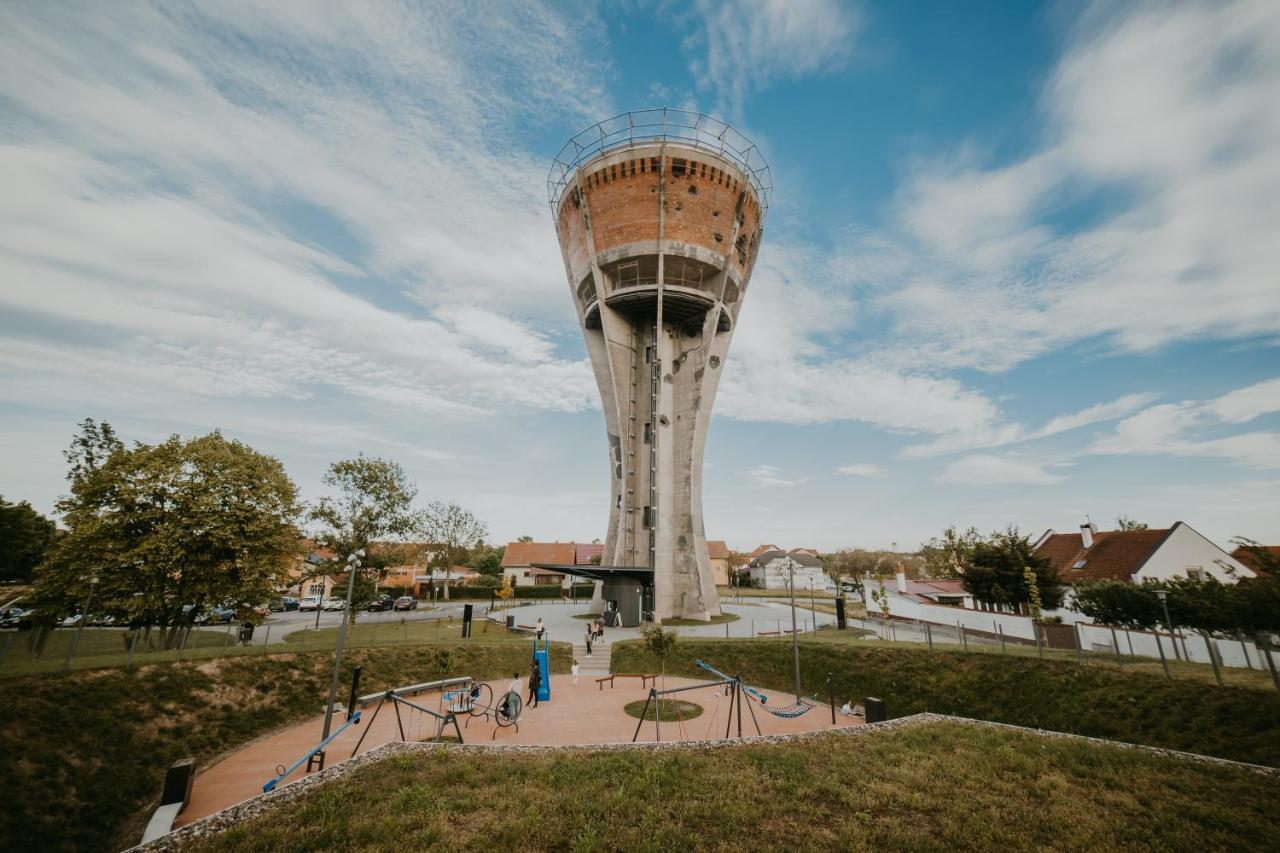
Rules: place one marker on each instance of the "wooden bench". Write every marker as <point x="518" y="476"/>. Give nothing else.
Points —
<point x="778" y="633"/>
<point x="644" y="678"/>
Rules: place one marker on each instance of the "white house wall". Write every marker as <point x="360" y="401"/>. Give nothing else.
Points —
<point x="1185" y="548"/>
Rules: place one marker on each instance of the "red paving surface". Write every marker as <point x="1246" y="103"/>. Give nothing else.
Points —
<point x="581" y="714"/>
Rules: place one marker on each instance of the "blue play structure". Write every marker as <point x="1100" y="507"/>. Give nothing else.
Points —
<point x="541" y="656"/>
<point x="282" y="772"/>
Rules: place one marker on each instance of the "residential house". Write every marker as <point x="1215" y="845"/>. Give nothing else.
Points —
<point x="761" y="549"/>
<point x="305" y="575"/>
<point x="518" y="558"/>
<point x="718" y="552"/>
<point x="588" y="555"/>
<point x="1250" y="560"/>
<point x="769" y="570"/>
<point x="1138" y="555"/>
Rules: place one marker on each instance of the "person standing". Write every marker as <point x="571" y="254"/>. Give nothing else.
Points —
<point x="535" y="681"/>
<point x="513" y="687"/>
<point x="591" y="635"/>
<point x="574" y="670"/>
<point x="539" y="629"/>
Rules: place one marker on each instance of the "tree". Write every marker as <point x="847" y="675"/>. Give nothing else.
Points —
<point x="996" y="572"/>
<point x="453" y="532"/>
<point x="1119" y="603"/>
<point x="373" y="500"/>
<point x="1124" y="522"/>
<point x="170" y="529"/>
<point x="487" y="560"/>
<point x="25" y="536"/>
<point x="949" y="555"/>
<point x="525" y="539"/>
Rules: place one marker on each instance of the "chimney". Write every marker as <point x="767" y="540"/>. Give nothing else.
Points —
<point x="902" y="580"/>
<point x="1087" y="532"/>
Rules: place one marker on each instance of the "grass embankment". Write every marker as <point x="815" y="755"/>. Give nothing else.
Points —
<point x="1230" y="722"/>
<point x="940" y="787"/>
<point x="86" y="753"/>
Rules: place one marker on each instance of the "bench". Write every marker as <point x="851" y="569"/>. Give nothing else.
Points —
<point x="778" y="633"/>
<point x="173" y="799"/>
<point x="644" y="678"/>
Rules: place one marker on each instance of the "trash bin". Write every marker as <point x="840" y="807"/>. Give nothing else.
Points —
<point x="611" y="618"/>
<point x="246" y="634"/>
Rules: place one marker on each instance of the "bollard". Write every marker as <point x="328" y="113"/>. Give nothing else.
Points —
<point x="726" y="630"/>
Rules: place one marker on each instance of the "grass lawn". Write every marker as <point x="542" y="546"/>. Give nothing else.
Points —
<point x="938" y="787"/>
<point x="86" y="752"/>
<point x="1229" y="722"/>
<point x="716" y="619"/>
<point x="673" y="710"/>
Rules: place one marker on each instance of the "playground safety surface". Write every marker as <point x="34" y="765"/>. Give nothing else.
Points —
<point x="575" y="714"/>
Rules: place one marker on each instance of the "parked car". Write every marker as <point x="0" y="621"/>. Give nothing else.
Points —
<point x="382" y="602"/>
<point x="311" y="602"/>
<point x="11" y="617"/>
<point x="406" y="602"/>
<point x="71" y="621"/>
<point x="280" y="605"/>
<point x="335" y="604"/>
<point x="101" y="621"/>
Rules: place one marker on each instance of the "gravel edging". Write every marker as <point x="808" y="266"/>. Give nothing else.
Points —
<point x="265" y="803"/>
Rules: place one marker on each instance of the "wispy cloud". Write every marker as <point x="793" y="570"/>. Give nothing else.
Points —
<point x="771" y="475"/>
<point x="861" y="469"/>
<point x="985" y="469"/>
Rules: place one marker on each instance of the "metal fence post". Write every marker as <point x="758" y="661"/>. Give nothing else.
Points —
<point x="266" y="638"/>
<point x="928" y="636"/>
<point x="132" y="643"/>
<point x="1000" y="632"/>
<point x="964" y="639"/>
<point x="405" y="623"/>
<point x="1115" y="644"/>
<point x="1244" y="650"/>
<point x="8" y="641"/>
<point x="1271" y="664"/>
<point x="1212" y="648"/>
<point x="1075" y="632"/>
<point x="1164" y="661"/>
<point x="225" y="637"/>
<point x="1035" y="632"/>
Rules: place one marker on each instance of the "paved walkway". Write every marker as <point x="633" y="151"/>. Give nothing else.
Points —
<point x="584" y="713"/>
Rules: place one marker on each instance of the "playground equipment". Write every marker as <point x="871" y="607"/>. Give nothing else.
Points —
<point x="283" y="772"/>
<point x="795" y="709"/>
<point x="477" y="701"/>
<point x="418" y="714"/>
<point x="542" y="657"/>
<point x="732" y="686"/>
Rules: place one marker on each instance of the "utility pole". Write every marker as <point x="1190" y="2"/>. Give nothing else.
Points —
<point x="795" y="638"/>
<point x="1168" y="623"/>
<point x="353" y="566"/>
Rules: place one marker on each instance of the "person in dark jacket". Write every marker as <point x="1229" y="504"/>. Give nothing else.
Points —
<point x="535" y="681"/>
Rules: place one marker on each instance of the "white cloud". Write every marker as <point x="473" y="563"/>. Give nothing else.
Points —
<point x="744" y="45"/>
<point x="991" y="470"/>
<point x="771" y="475"/>
<point x="1184" y="429"/>
<point x="862" y="469"/>
<point x="1161" y="146"/>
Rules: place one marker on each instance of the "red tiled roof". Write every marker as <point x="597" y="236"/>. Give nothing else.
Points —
<point x="521" y="554"/>
<point x="583" y="554"/>
<point x="1251" y="560"/>
<point x="717" y="550"/>
<point x="1115" y="555"/>
<point x="928" y="592"/>
<point x="762" y="549"/>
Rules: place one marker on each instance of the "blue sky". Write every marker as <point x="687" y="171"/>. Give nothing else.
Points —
<point x="1020" y="264"/>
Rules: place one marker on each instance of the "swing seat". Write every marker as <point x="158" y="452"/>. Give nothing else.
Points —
<point x="795" y="709"/>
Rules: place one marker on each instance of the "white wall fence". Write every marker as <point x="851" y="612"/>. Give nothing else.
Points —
<point x="1093" y="638"/>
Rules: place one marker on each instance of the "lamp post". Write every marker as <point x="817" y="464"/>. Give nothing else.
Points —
<point x="84" y="617"/>
<point x="353" y="566"/>
<point x="795" y="639"/>
<point x="1163" y="595"/>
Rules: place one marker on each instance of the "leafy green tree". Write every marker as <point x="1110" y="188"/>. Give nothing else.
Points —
<point x="372" y="500"/>
<point x="949" y="555"/>
<point x="1119" y="603"/>
<point x="453" y="532"/>
<point x="487" y="560"/>
<point x="25" y="536"/>
<point x="170" y="529"/>
<point x="997" y="569"/>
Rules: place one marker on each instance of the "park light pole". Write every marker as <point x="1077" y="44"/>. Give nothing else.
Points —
<point x="84" y="617"/>
<point x="1163" y="595"/>
<point x="353" y="566"/>
<point x="795" y="639"/>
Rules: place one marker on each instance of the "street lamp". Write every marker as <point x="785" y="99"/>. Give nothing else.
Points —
<point x="84" y="617"/>
<point x="353" y="566"/>
<point x="795" y="638"/>
<point x="1163" y="595"/>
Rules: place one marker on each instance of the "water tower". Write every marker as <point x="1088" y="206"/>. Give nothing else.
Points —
<point x="660" y="214"/>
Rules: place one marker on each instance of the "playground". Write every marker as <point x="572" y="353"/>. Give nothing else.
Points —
<point x="592" y="711"/>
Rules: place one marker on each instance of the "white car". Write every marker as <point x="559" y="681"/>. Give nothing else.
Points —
<point x="335" y="604"/>
<point x="71" y="621"/>
<point x="311" y="602"/>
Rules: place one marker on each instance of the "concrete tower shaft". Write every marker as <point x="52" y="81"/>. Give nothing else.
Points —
<point x="660" y="215"/>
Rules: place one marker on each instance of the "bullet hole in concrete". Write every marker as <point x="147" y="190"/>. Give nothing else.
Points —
<point x="617" y="471"/>
<point x="693" y="190"/>
<point x="662" y="420"/>
<point x="740" y="242"/>
<point x="742" y="200"/>
<point x="681" y="541"/>
<point x="666" y="378"/>
<point x="675" y="368"/>
<point x="577" y="202"/>
<point x="697" y="377"/>
<point x="714" y="361"/>
<point x="730" y="292"/>
<point x="719" y="237"/>
<point x="679" y="205"/>
<point x="715" y="213"/>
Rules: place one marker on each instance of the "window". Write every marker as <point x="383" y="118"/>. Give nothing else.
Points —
<point x="1195" y="573"/>
<point x="316" y="589"/>
<point x="1079" y="564"/>
<point x="648" y="432"/>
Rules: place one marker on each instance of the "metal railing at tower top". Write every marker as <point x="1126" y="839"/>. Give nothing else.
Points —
<point x="695" y="130"/>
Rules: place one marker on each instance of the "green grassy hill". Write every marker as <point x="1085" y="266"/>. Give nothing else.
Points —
<point x="1230" y="722"/>
<point x="85" y="753"/>
<point x="932" y="787"/>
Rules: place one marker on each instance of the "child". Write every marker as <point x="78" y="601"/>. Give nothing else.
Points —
<point x="574" y="670"/>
